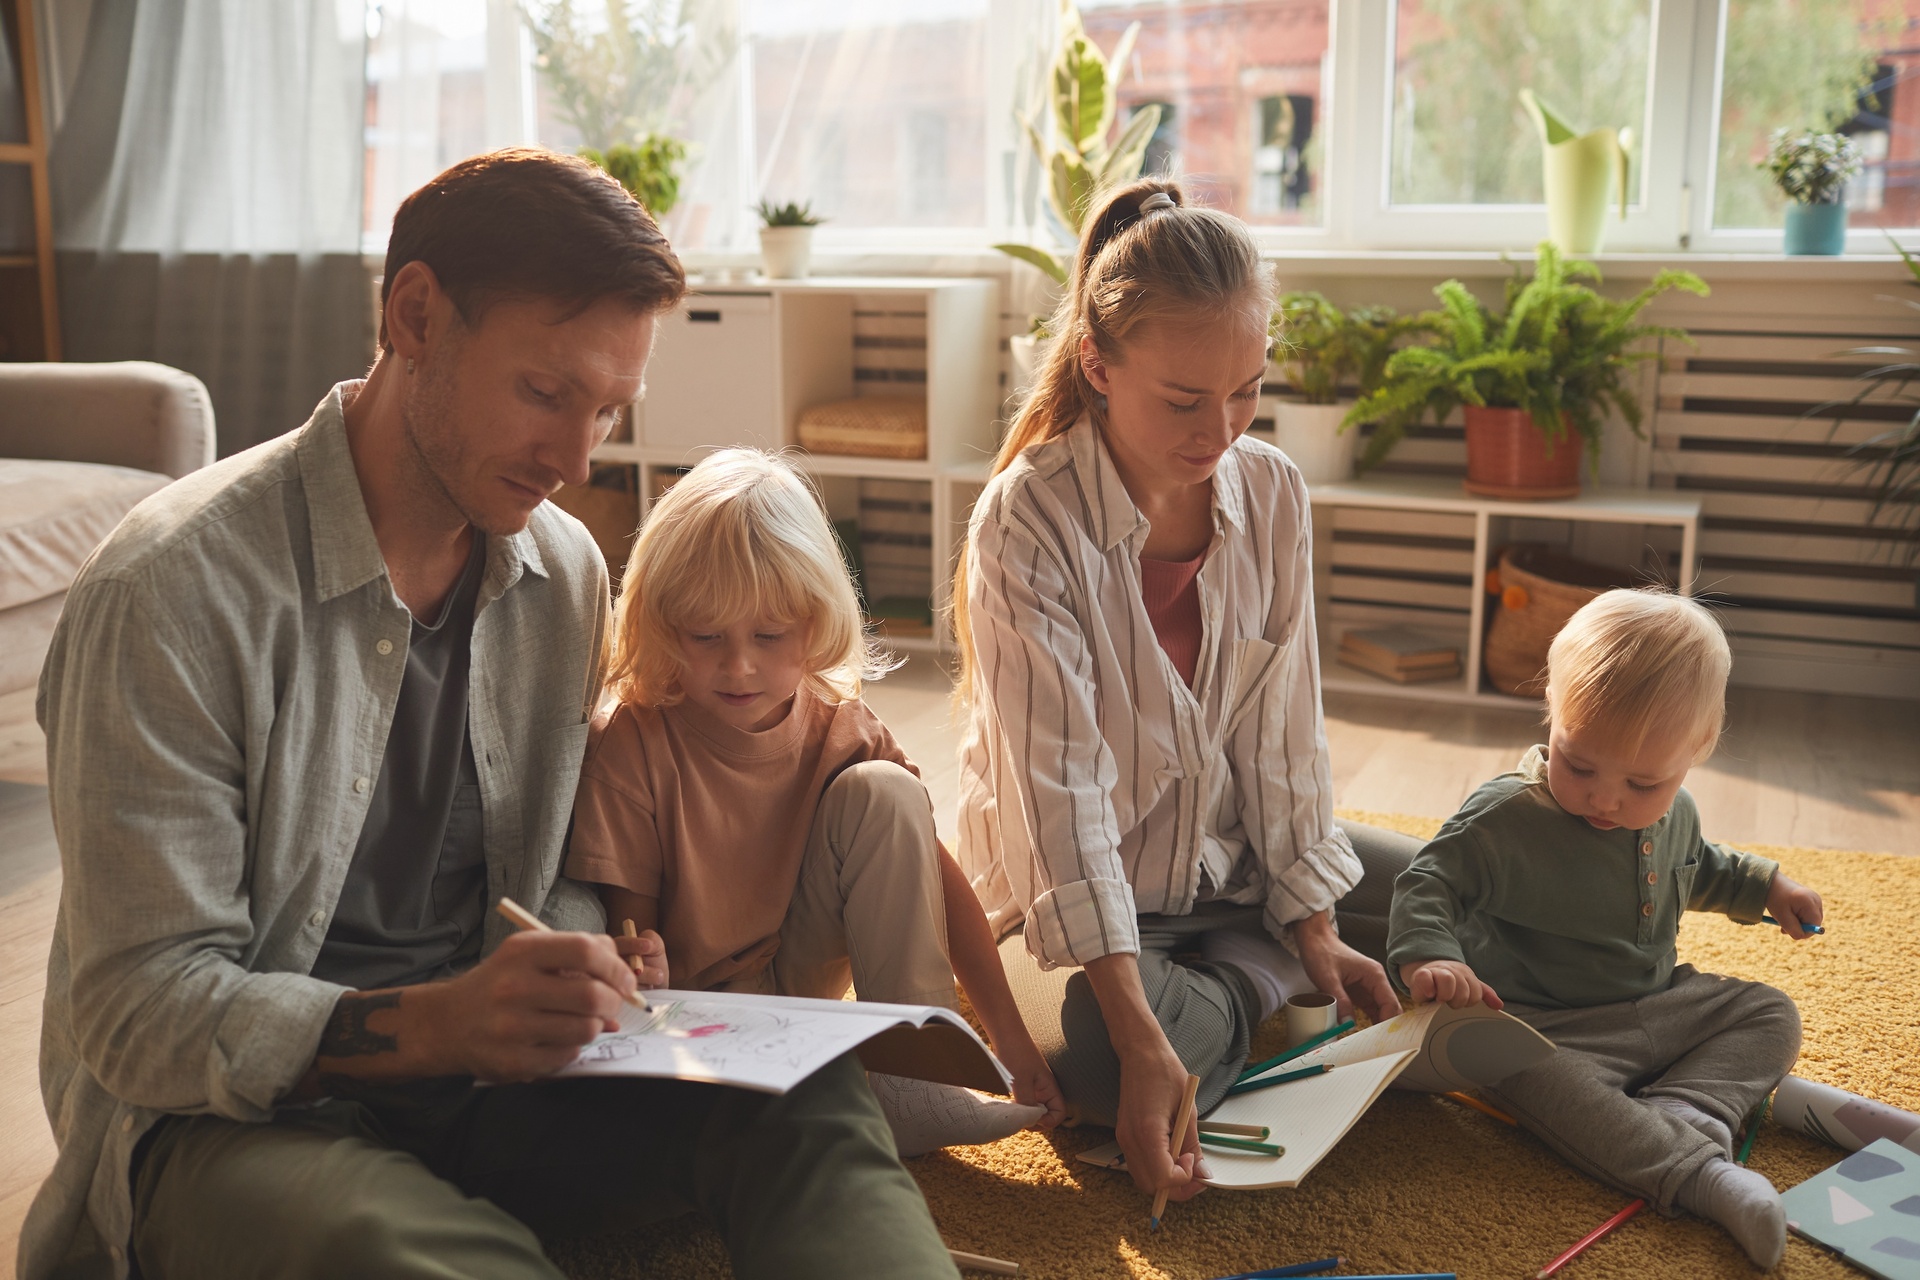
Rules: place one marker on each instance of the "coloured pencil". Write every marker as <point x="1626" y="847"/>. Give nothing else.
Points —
<point x="1753" y="1128"/>
<point x="1281" y="1273"/>
<point x="1267" y="1082"/>
<point x="1810" y="928"/>
<point x="1242" y="1144"/>
<point x="980" y="1262"/>
<point x="528" y="922"/>
<point x="1468" y="1100"/>
<point x="635" y="963"/>
<point x="1305" y="1046"/>
<point x="1580" y="1245"/>
<point x="1237" y="1130"/>
<point x="1181" y="1118"/>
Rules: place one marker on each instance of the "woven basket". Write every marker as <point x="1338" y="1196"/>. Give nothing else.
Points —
<point x="1538" y="589"/>
<point x="867" y="427"/>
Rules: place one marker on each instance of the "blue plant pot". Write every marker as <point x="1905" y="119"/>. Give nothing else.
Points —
<point x="1816" y="229"/>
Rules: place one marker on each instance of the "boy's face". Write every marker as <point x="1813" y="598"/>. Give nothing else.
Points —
<point x="1595" y="779"/>
<point x="745" y="674"/>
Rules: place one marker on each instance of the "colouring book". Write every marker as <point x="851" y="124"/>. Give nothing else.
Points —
<point x="1431" y="1048"/>
<point x="771" y="1043"/>
<point x="1866" y="1209"/>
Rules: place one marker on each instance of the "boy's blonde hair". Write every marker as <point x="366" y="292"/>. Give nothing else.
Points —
<point x="741" y="535"/>
<point x="1636" y="664"/>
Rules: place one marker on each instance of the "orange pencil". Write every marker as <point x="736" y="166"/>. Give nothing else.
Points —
<point x="1580" y="1246"/>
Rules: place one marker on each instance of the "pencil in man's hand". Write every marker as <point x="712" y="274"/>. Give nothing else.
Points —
<point x="527" y="922"/>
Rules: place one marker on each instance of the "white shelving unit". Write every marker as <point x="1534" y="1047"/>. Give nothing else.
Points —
<point x="739" y="362"/>
<point x="1428" y="545"/>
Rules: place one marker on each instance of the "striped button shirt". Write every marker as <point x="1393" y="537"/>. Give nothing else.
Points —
<point x="1095" y="785"/>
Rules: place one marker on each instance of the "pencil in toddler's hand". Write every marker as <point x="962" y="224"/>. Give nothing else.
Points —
<point x="527" y="922"/>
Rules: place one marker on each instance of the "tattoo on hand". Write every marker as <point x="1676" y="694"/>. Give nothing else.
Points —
<point x="347" y="1034"/>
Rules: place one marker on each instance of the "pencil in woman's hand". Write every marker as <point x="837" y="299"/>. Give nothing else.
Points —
<point x="1181" y="1119"/>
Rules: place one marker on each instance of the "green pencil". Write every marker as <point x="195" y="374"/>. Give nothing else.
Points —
<point x="1753" y="1129"/>
<point x="1248" y="1086"/>
<point x="1242" y="1144"/>
<point x="1304" y="1046"/>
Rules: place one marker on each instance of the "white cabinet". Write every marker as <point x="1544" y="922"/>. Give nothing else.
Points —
<point x="713" y="374"/>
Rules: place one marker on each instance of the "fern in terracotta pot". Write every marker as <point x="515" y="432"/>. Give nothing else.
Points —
<point x="1536" y="379"/>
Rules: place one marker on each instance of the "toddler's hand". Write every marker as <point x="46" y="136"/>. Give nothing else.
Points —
<point x="1793" y="905"/>
<point x="1447" y="981"/>
<point x="652" y="950"/>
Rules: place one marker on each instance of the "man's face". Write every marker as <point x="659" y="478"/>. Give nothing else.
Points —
<point x="503" y="413"/>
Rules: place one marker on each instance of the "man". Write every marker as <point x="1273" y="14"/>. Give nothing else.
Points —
<point x="309" y="713"/>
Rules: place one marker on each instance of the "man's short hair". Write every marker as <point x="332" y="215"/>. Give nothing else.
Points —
<point x="524" y="222"/>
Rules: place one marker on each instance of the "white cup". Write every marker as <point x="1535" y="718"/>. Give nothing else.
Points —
<point x="1308" y="1015"/>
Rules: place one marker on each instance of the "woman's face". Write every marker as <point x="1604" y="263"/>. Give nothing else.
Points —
<point x="1179" y="397"/>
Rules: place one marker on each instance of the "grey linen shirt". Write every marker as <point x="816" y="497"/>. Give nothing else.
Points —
<point x="217" y="702"/>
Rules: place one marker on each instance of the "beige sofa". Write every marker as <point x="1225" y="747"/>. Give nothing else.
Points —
<point x="80" y="445"/>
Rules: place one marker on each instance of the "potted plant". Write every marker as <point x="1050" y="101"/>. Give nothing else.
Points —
<point x="1080" y="163"/>
<point x="1812" y="170"/>
<point x="1324" y="353"/>
<point x="786" y="239"/>
<point x="649" y="169"/>
<point x="1536" y="379"/>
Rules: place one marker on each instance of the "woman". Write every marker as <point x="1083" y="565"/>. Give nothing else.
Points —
<point x="1145" y="770"/>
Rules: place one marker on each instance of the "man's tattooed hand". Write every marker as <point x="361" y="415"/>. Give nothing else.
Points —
<point x="347" y="1034"/>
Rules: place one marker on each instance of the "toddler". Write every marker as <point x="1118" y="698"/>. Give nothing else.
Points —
<point x="1557" y="890"/>
<point x="741" y="800"/>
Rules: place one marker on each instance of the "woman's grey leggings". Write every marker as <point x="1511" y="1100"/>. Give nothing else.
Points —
<point x="1206" y="1010"/>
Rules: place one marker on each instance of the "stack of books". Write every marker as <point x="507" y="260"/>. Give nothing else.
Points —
<point x="1400" y="654"/>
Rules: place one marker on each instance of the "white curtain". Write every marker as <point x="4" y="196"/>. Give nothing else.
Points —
<point x="207" y="182"/>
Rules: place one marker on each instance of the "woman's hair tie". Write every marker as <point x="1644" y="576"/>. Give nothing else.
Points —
<point x="1158" y="200"/>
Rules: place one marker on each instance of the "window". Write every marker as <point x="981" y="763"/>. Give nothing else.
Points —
<point x="1845" y="65"/>
<point x="1239" y="84"/>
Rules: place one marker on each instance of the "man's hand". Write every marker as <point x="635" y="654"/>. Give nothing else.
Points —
<point x="1343" y="973"/>
<point x="1447" y="981"/>
<point x="525" y="1010"/>
<point x="652" y="950"/>
<point x="1794" y="905"/>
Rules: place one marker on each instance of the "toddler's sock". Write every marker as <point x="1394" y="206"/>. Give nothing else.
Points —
<point x="1744" y="1203"/>
<point x="1274" y="971"/>
<point x="925" y="1116"/>
<point x="1685" y="1111"/>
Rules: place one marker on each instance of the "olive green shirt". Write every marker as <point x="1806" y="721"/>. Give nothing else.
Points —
<point x="1549" y="911"/>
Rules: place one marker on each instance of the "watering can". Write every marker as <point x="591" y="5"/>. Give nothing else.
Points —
<point x="1582" y="169"/>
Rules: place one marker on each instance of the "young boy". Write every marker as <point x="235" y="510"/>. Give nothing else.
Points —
<point x="1557" y="890"/>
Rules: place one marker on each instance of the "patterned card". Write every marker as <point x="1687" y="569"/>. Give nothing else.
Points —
<point x="1866" y="1209"/>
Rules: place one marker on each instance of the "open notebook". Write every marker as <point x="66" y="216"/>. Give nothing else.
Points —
<point x="1431" y="1048"/>
<point x="771" y="1043"/>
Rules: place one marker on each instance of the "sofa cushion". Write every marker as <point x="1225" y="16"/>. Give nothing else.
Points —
<point x="26" y="632"/>
<point x="52" y="516"/>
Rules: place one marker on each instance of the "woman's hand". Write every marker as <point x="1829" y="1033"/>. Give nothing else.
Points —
<point x="1794" y="905"/>
<point x="652" y="951"/>
<point x="1152" y="1082"/>
<point x="1341" y="972"/>
<point x="1448" y="981"/>
<point x="1034" y="1085"/>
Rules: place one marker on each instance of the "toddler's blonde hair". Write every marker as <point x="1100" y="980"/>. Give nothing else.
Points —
<point x="741" y="535"/>
<point x="1637" y="664"/>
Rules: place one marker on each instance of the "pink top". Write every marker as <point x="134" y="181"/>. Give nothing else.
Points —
<point x="1171" y="589"/>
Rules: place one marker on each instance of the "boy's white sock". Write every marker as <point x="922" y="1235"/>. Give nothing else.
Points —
<point x="1274" y="971"/>
<point x="925" y="1116"/>
<point x="1689" y="1114"/>
<point x="1744" y="1203"/>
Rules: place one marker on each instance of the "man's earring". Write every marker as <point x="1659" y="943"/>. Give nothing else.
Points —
<point x="409" y="366"/>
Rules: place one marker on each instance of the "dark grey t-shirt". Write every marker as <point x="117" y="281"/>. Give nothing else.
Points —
<point x="415" y="896"/>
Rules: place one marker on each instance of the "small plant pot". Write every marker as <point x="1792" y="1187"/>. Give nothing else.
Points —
<point x="1816" y="230"/>
<point x="1310" y="435"/>
<point x="786" y="252"/>
<point x="1508" y="457"/>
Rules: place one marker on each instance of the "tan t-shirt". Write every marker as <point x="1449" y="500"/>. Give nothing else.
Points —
<point x="713" y="821"/>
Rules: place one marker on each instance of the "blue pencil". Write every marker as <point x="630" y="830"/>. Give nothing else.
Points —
<point x="1297" y="1269"/>
<point x="1305" y="1046"/>
<point x="1810" y="928"/>
<point x="1248" y="1086"/>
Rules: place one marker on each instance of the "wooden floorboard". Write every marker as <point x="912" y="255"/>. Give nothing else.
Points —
<point x="1794" y="769"/>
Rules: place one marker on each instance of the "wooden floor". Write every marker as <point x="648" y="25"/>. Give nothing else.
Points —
<point x="1794" y="769"/>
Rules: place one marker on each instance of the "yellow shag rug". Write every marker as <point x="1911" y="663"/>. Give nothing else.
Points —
<point x="1422" y="1184"/>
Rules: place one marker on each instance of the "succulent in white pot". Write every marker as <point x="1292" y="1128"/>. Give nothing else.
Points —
<point x="1327" y="357"/>
<point x="786" y="239"/>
